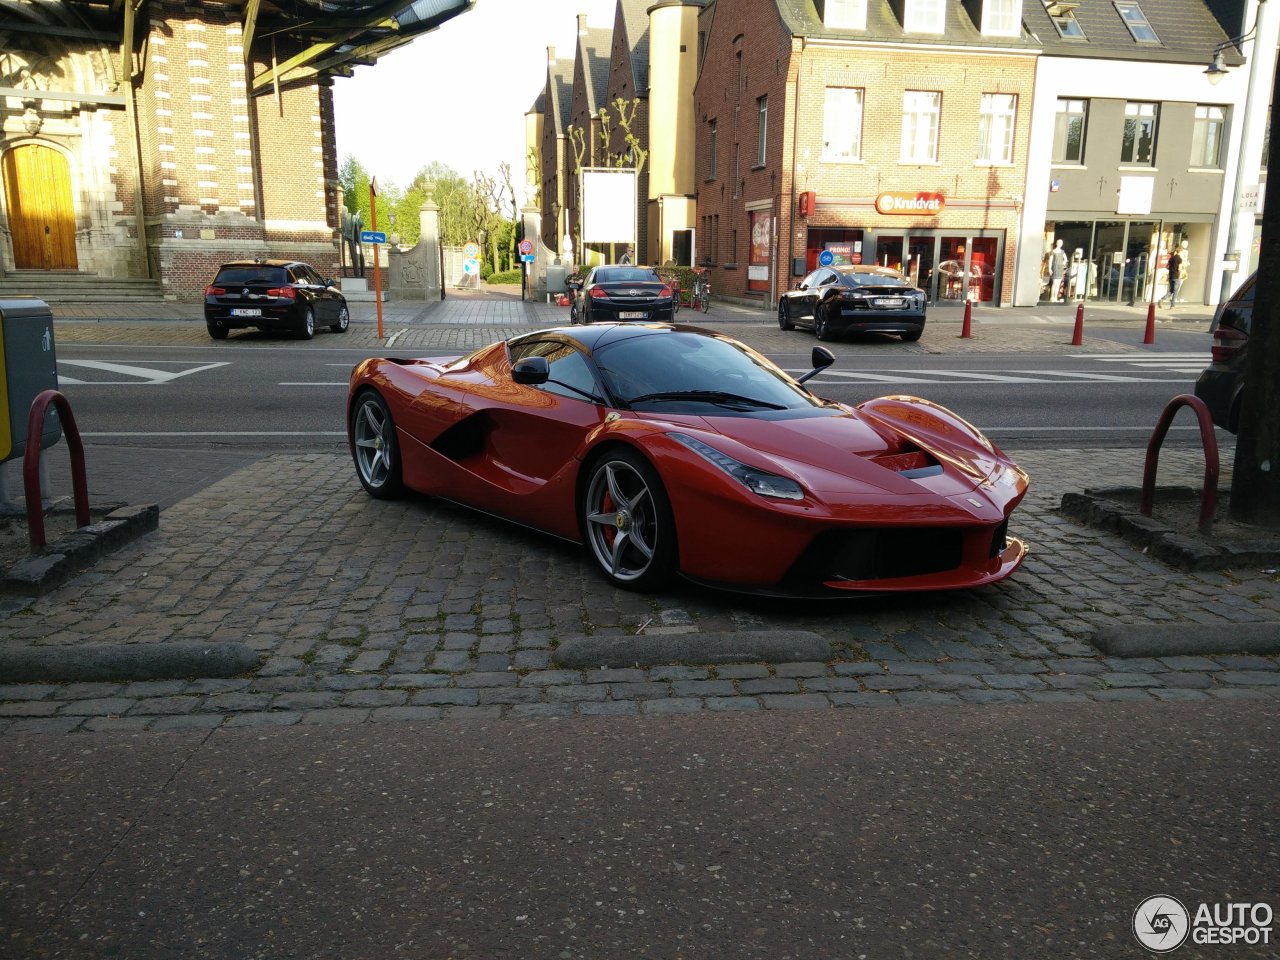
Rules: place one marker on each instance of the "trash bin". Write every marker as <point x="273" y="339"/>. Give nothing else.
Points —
<point x="28" y="366"/>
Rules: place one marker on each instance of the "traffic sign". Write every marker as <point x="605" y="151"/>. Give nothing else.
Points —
<point x="472" y="250"/>
<point x="471" y="266"/>
<point x="826" y="258"/>
<point x="527" y="258"/>
<point x="372" y="236"/>
<point x="526" y="246"/>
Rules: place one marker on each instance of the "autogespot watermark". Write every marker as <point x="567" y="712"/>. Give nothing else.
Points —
<point x="1162" y="924"/>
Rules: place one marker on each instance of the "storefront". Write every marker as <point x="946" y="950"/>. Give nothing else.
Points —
<point x="1122" y="261"/>
<point x="952" y="266"/>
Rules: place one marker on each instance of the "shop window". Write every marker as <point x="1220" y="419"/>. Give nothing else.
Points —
<point x="1139" y="141"/>
<point x="842" y="124"/>
<point x="844" y="14"/>
<point x="1068" y="131"/>
<point x="1206" y="136"/>
<point x="995" y="127"/>
<point x="1136" y="21"/>
<point x="712" y="150"/>
<point x="921" y="110"/>
<point x="762" y="129"/>
<point x="924" y="16"/>
<point x="1002" y="18"/>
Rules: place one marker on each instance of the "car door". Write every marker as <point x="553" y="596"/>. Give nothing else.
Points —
<point x="325" y="305"/>
<point x="820" y="283"/>
<point x="584" y="297"/>
<point x="795" y="299"/>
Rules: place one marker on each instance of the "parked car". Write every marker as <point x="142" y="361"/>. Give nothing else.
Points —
<point x="668" y="449"/>
<point x="621" y="292"/>
<point x="1221" y="385"/>
<point x="848" y="298"/>
<point x="273" y="295"/>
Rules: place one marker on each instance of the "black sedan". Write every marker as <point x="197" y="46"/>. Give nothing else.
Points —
<point x="1221" y="385"/>
<point x="621" y="293"/>
<point x="273" y="295"/>
<point x="854" y="298"/>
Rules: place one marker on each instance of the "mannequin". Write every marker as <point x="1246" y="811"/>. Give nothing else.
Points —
<point x="1057" y="270"/>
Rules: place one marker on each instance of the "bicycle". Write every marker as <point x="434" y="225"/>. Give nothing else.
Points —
<point x="701" y="297"/>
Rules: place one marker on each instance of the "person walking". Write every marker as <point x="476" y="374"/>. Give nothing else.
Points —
<point x="1175" y="276"/>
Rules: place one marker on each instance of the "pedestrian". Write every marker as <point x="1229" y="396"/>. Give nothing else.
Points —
<point x="1057" y="271"/>
<point x="1175" y="276"/>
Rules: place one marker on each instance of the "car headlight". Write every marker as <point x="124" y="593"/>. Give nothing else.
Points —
<point x="757" y="481"/>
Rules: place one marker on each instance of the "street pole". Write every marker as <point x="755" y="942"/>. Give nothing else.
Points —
<point x="377" y="270"/>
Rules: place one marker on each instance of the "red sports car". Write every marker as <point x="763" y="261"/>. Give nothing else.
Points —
<point x="668" y="450"/>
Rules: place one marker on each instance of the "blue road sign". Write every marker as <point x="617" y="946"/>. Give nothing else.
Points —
<point x="826" y="258"/>
<point x="372" y="236"/>
<point x="527" y="257"/>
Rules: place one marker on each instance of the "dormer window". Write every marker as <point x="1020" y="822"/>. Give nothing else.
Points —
<point x="1136" y="21"/>
<point x="844" y="14"/>
<point x="1064" y="20"/>
<point x="1002" y="18"/>
<point x="925" y="16"/>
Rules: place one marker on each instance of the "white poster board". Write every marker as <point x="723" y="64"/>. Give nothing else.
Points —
<point x="1135" y="196"/>
<point x="608" y="205"/>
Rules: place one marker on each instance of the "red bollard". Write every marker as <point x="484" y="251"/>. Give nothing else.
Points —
<point x="967" y="330"/>
<point x="1151" y="324"/>
<point x="1077" y="338"/>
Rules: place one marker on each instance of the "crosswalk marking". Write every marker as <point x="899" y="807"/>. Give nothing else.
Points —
<point x="1191" y="362"/>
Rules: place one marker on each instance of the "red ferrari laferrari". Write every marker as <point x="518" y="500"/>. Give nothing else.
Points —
<point x="668" y="450"/>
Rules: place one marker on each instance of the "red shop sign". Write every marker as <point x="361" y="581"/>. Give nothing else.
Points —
<point x="910" y="204"/>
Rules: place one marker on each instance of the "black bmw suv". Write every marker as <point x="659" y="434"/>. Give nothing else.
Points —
<point x="273" y="295"/>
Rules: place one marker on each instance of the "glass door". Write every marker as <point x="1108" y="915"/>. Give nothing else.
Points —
<point x="1109" y="250"/>
<point x="920" y="254"/>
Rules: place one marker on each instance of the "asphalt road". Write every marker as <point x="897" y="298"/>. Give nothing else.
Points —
<point x="986" y="832"/>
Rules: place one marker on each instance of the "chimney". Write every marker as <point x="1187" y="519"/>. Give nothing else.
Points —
<point x="582" y="24"/>
<point x="551" y="55"/>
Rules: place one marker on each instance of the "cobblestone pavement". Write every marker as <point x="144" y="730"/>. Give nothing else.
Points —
<point x="371" y="611"/>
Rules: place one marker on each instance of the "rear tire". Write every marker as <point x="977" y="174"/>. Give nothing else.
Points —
<point x="784" y="317"/>
<point x="374" y="447"/>
<point x="912" y="336"/>
<point x="308" y="324"/>
<point x="217" y="332"/>
<point x="821" y="328"/>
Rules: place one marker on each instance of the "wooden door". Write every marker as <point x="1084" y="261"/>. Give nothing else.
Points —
<point x="42" y="221"/>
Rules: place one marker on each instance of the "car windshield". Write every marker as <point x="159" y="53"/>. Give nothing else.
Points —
<point x="627" y="275"/>
<point x="869" y="279"/>
<point x="685" y="367"/>
<point x="252" y="274"/>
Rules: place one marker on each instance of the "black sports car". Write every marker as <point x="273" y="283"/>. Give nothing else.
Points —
<point x="854" y="298"/>
<point x="273" y="295"/>
<point x="621" y="292"/>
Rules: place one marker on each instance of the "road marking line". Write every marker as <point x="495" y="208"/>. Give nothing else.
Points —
<point x="220" y="433"/>
<point x="145" y="375"/>
<point x="316" y="384"/>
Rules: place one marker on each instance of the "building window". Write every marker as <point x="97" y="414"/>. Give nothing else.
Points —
<point x="1002" y="18"/>
<point x="762" y="112"/>
<point x="1064" y="20"/>
<point x="1136" y="21"/>
<point x="995" y="127"/>
<point x="1068" y="131"/>
<point x="920" y="113"/>
<point x="1139" y="143"/>
<point x="925" y="16"/>
<point x="712" y="151"/>
<point x="842" y="124"/>
<point x="845" y="14"/>
<point x="1206" y="136"/>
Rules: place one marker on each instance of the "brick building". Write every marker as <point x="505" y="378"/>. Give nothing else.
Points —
<point x="893" y="132"/>
<point x="151" y="144"/>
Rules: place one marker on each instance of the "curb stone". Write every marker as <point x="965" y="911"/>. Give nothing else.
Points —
<point x="44" y="572"/>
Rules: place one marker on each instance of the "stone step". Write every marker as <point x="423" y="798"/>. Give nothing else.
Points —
<point x="55" y="286"/>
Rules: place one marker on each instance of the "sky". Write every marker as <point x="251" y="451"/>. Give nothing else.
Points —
<point x="459" y="94"/>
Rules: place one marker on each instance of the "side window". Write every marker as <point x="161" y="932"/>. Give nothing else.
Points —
<point x="298" y="274"/>
<point x="812" y="280"/>
<point x="571" y="375"/>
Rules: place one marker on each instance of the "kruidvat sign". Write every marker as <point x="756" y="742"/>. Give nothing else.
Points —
<point x="911" y="204"/>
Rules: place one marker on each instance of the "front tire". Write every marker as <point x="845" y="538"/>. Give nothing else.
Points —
<point x="374" y="447"/>
<point x="308" y="329"/>
<point x="627" y="522"/>
<point x="344" y="320"/>
<point x="784" y="317"/>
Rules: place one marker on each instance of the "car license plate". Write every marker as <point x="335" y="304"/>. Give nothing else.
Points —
<point x="246" y="312"/>
<point x="632" y="315"/>
<point x="889" y="302"/>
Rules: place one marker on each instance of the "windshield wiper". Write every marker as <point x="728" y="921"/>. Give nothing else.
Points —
<point x="719" y="397"/>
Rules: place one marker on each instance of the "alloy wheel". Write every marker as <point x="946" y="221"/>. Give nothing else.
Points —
<point x="627" y="522"/>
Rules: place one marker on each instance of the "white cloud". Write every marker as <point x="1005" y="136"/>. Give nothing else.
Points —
<point x="459" y="94"/>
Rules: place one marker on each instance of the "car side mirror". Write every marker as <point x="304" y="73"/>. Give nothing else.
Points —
<point x="800" y="285"/>
<point x="821" y="358"/>
<point x="531" y="370"/>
